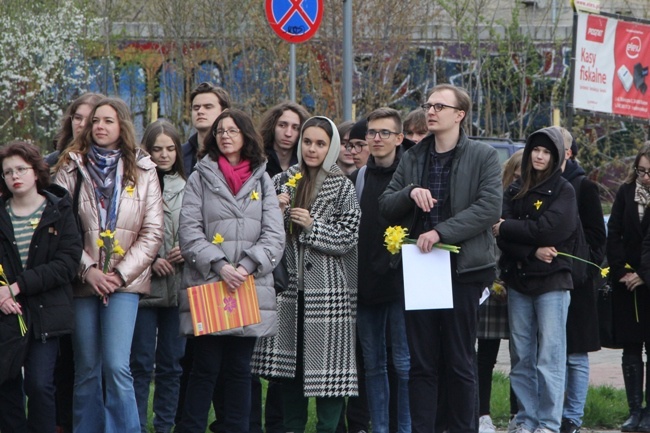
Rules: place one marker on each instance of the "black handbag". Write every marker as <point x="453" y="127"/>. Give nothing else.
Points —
<point x="605" y="317"/>
<point x="281" y="276"/>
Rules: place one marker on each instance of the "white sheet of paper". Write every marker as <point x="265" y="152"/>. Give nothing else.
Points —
<point x="484" y="296"/>
<point x="427" y="279"/>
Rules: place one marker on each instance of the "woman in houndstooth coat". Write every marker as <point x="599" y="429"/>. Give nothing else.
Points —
<point x="313" y="351"/>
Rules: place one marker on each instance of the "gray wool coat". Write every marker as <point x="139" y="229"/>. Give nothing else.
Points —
<point x="253" y="235"/>
<point x="329" y="267"/>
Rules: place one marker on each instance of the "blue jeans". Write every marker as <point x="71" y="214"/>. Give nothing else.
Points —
<point x="156" y="340"/>
<point x="538" y="356"/>
<point x="102" y="345"/>
<point x="230" y="356"/>
<point x="577" y="384"/>
<point x="371" y="328"/>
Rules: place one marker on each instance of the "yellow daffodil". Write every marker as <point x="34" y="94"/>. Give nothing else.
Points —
<point x="100" y="242"/>
<point x="396" y="236"/>
<point x="21" y="320"/>
<point x="118" y="250"/>
<point x="217" y="239"/>
<point x="107" y="234"/>
<point x="629" y="267"/>
<point x="291" y="182"/>
<point x="129" y="190"/>
<point x="298" y="176"/>
<point x="537" y="204"/>
<point x="603" y="271"/>
<point x="498" y="288"/>
<point x="255" y="195"/>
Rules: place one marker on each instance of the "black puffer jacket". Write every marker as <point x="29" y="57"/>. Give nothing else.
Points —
<point x="546" y="216"/>
<point x="54" y="254"/>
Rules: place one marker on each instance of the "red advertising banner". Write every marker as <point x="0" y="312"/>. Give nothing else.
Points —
<point x="611" y="67"/>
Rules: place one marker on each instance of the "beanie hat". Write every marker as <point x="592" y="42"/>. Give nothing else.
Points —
<point x="543" y="140"/>
<point x="359" y="130"/>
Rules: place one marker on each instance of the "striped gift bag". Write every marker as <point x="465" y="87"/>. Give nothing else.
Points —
<point x="215" y="308"/>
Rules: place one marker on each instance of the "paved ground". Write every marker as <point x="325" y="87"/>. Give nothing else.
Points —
<point x="605" y="365"/>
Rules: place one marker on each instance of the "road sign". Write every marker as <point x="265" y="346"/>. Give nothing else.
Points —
<point x="294" y="20"/>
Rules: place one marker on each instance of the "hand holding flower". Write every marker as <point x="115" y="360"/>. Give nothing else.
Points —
<point x="301" y="217"/>
<point x="162" y="268"/>
<point x="174" y="256"/>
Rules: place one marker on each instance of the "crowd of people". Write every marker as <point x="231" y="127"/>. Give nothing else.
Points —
<point x="101" y="239"/>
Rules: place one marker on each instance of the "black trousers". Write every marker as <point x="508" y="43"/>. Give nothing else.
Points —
<point x="449" y="333"/>
<point x="488" y="350"/>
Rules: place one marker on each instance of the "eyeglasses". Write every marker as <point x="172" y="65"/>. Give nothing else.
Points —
<point x="438" y="107"/>
<point x="229" y="132"/>
<point x="20" y="171"/>
<point x="77" y="119"/>
<point x="356" y="146"/>
<point x="383" y="133"/>
<point x="641" y="172"/>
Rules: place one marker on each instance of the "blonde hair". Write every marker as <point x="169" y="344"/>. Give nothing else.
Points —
<point x="510" y="167"/>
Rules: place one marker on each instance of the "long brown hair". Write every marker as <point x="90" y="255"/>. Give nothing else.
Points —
<point x="531" y="177"/>
<point x="305" y="188"/>
<point x="271" y="116"/>
<point x="127" y="142"/>
<point x="163" y="127"/>
<point x="64" y="137"/>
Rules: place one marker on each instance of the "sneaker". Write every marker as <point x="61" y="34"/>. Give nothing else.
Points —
<point x="512" y="425"/>
<point x="522" y="429"/>
<point x="568" y="426"/>
<point x="485" y="425"/>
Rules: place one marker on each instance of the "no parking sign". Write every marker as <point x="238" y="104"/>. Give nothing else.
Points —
<point x="294" y="21"/>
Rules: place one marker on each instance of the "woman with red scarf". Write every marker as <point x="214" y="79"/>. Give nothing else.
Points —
<point x="230" y="194"/>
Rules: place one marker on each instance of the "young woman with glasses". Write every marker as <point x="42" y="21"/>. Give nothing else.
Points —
<point x="40" y="249"/>
<point x="230" y="194"/>
<point x="628" y="224"/>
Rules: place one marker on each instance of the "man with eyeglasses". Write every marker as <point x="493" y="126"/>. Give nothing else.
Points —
<point x="447" y="188"/>
<point x="357" y="144"/>
<point x="207" y="103"/>
<point x="380" y="307"/>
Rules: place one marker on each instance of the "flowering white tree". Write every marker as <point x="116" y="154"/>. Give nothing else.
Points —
<point x="41" y="67"/>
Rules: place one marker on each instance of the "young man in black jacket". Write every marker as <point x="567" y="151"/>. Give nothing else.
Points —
<point x="380" y="292"/>
<point x="208" y="101"/>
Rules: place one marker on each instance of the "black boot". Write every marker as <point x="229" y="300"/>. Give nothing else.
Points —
<point x="644" y="424"/>
<point x="633" y="378"/>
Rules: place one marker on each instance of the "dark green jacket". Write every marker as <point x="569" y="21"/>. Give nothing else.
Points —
<point x="475" y="195"/>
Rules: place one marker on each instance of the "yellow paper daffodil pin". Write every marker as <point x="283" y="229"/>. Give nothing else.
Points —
<point x="129" y="190"/>
<point x="255" y="195"/>
<point x="537" y="204"/>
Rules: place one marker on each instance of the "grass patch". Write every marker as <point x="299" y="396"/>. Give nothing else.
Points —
<point x="606" y="406"/>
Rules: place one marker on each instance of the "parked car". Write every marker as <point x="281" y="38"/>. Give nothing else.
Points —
<point x="505" y="147"/>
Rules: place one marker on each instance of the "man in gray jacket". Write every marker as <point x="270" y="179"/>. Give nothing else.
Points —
<point x="447" y="189"/>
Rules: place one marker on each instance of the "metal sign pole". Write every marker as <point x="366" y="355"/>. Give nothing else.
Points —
<point x="347" y="60"/>
<point x="292" y="72"/>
